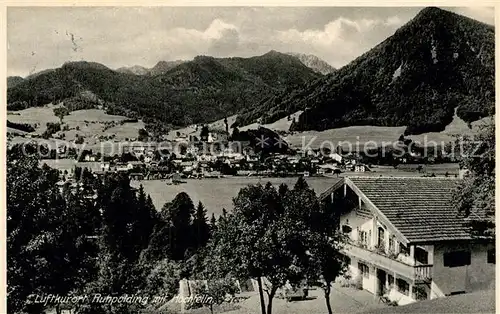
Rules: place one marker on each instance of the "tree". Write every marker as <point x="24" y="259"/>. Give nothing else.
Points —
<point x="201" y="229"/>
<point x="475" y="196"/>
<point x="204" y="133"/>
<point x="163" y="279"/>
<point x="126" y="232"/>
<point x="47" y="245"/>
<point x="223" y="216"/>
<point x="301" y="184"/>
<point x="79" y="139"/>
<point x="51" y="129"/>
<point x="178" y="216"/>
<point x="78" y="173"/>
<point x="236" y="133"/>
<point x="147" y="216"/>
<point x="143" y="135"/>
<point x="266" y="236"/>
<point x="326" y="260"/>
<point x="60" y="112"/>
<point x="217" y="291"/>
<point x="213" y="224"/>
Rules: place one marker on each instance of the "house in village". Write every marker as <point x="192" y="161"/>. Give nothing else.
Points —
<point x="360" y="168"/>
<point x="335" y="157"/>
<point x="328" y="168"/>
<point x="105" y="166"/>
<point x="89" y="157"/>
<point x="406" y="241"/>
<point x="181" y="137"/>
<point x="133" y="165"/>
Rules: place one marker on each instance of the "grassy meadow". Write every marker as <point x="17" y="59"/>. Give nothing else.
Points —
<point x="217" y="194"/>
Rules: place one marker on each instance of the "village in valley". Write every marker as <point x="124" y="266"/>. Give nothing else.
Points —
<point x="301" y="188"/>
<point x="208" y="154"/>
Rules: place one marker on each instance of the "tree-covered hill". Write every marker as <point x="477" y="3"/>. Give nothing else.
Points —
<point x="435" y="63"/>
<point x="202" y="90"/>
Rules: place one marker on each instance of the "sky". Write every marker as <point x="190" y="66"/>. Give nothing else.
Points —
<point x="41" y="38"/>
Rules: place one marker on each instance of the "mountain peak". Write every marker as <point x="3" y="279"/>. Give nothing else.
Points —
<point x="445" y="59"/>
<point x="84" y="65"/>
<point x="164" y="66"/>
<point x="274" y="53"/>
<point x="431" y="11"/>
<point x="438" y="15"/>
<point x="316" y="64"/>
<point x="135" y="69"/>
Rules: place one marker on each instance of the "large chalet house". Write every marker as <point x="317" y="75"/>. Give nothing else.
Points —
<point x="404" y="239"/>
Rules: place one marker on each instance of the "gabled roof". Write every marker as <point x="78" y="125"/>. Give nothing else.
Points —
<point x="421" y="209"/>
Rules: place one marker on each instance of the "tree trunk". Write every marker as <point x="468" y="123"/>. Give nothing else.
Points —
<point x="261" y="295"/>
<point x="270" y="301"/>
<point x="327" y="297"/>
<point x="211" y="308"/>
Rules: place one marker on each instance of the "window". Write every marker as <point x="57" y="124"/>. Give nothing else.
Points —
<point x="404" y="249"/>
<point x="456" y="259"/>
<point x="346" y="229"/>
<point x="364" y="270"/>
<point x="491" y="256"/>
<point x="421" y="255"/>
<point x="363" y="237"/>
<point x="392" y="242"/>
<point x="402" y="286"/>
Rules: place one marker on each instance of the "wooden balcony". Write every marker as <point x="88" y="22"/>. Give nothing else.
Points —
<point x="418" y="273"/>
<point x="423" y="273"/>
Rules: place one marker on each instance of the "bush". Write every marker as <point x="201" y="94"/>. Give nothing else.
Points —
<point x="51" y="129"/>
<point x="21" y="126"/>
<point x="79" y="140"/>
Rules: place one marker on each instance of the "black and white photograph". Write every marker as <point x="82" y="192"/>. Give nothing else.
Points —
<point x="249" y="159"/>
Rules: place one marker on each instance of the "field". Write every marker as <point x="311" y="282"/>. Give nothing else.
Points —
<point x="216" y="194"/>
<point x="353" y="136"/>
<point x="216" y="125"/>
<point x="457" y="127"/>
<point x="93" y="123"/>
<point x="361" y="135"/>
<point x="279" y="125"/>
<point x="89" y="123"/>
<point x="358" y="136"/>
<point x="34" y="115"/>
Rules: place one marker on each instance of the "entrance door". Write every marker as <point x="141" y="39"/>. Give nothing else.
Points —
<point x="381" y="280"/>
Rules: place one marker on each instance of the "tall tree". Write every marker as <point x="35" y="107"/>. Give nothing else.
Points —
<point x="266" y="236"/>
<point x="204" y="133"/>
<point x="48" y="251"/>
<point x="201" y="229"/>
<point x="147" y="216"/>
<point x="178" y="216"/>
<point x="475" y="196"/>
<point x="325" y="243"/>
<point x="213" y="224"/>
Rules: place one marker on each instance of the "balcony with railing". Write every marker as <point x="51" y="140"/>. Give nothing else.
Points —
<point x="381" y="256"/>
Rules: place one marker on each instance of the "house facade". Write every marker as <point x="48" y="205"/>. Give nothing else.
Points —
<point x="404" y="240"/>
